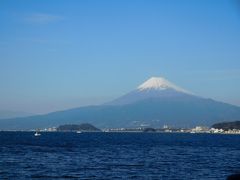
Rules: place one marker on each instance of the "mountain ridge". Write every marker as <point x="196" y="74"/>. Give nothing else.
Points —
<point x="152" y="106"/>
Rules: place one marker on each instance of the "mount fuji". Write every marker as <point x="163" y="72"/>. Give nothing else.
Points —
<point x="154" y="103"/>
<point x="155" y="87"/>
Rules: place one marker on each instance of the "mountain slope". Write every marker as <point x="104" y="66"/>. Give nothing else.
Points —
<point x="154" y="105"/>
<point x="177" y="112"/>
<point x="12" y="114"/>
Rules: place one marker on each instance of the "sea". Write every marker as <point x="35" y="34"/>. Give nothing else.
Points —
<point x="104" y="155"/>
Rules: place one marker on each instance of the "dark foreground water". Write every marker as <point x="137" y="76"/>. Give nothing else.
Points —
<point x="118" y="156"/>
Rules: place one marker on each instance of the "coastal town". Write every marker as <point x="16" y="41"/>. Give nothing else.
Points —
<point x="164" y="129"/>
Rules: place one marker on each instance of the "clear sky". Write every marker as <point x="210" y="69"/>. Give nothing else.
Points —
<point x="57" y="54"/>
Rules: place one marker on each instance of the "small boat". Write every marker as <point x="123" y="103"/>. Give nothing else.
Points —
<point x="37" y="134"/>
<point x="79" y="132"/>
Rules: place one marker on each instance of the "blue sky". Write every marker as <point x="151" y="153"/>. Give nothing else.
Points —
<point x="57" y="54"/>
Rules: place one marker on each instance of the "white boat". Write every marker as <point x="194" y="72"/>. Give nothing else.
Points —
<point x="37" y="134"/>
<point x="79" y="132"/>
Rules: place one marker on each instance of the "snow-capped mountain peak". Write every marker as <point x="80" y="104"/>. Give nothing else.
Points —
<point x="159" y="83"/>
<point x="153" y="88"/>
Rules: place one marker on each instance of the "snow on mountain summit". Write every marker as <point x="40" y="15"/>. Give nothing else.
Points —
<point x="159" y="83"/>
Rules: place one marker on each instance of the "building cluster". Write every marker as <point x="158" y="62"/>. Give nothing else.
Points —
<point x="167" y="129"/>
<point x="51" y="129"/>
<point x="200" y="129"/>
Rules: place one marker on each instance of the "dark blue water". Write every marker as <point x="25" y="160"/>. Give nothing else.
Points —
<point x="118" y="156"/>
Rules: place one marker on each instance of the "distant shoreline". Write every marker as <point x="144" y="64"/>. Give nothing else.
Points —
<point x="134" y="132"/>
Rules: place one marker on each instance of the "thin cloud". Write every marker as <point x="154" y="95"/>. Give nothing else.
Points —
<point x="41" y="18"/>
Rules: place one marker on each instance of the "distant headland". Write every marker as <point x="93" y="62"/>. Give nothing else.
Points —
<point x="227" y="125"/>
<point x="85" y="127"/>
